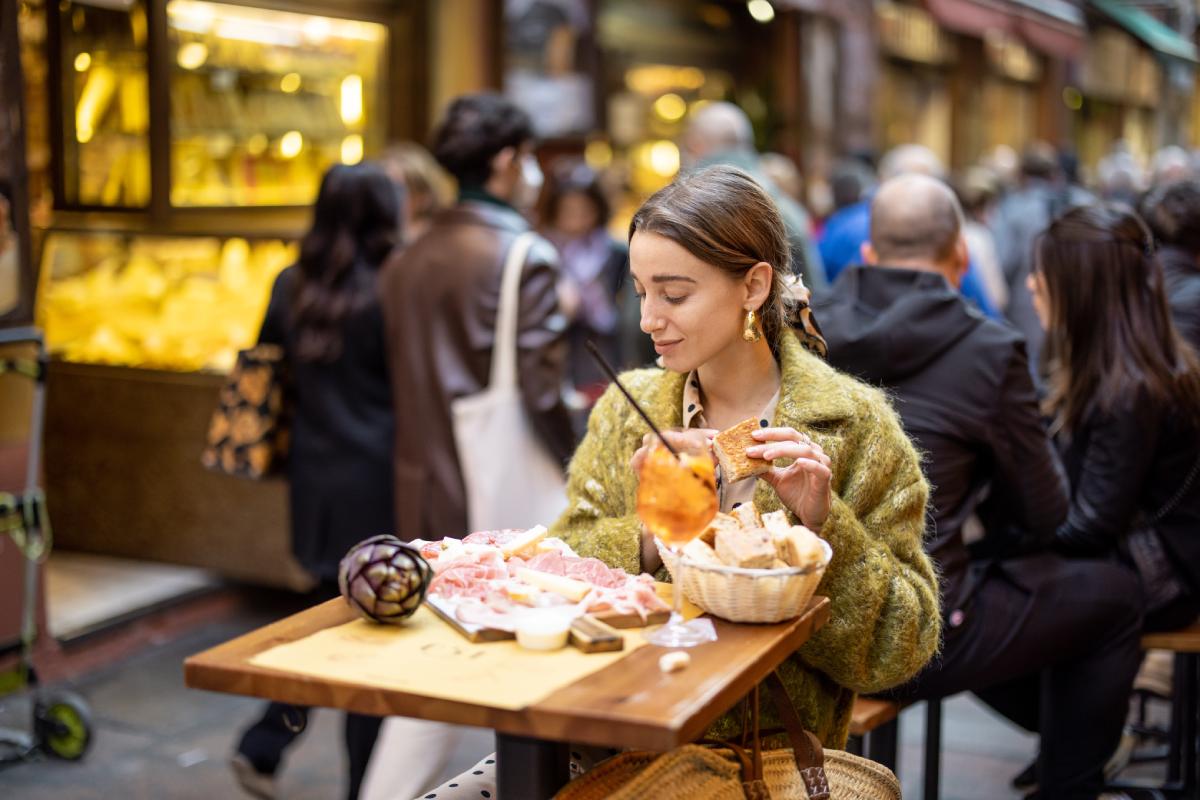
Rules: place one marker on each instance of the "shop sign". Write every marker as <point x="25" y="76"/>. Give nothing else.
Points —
<point x="1011" y="58"/>
<point x="911" y="33"/>
<point x="1118" y="69"/>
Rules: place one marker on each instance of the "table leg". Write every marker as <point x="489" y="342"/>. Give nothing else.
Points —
<point x="530" y="769"/>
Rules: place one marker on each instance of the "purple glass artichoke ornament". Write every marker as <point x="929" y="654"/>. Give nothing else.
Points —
<point x="384" y="579"/>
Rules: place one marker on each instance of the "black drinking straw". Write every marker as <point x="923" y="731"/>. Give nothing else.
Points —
<point x="612" y="373"/>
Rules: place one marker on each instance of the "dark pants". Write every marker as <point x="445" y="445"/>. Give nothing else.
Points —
<point x="1052" y="644"/>
<point x="265" y="741"/>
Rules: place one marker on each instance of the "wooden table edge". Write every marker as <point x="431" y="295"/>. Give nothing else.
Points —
<point x="545" y="719"/>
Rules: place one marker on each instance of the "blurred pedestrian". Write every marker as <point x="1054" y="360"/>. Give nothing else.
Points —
<point x="440" y="297"/>
<point x="849" y="229"/>
<point x="1170" y="164"/>
<point x="1018" y="219"/>
<point x="592" y="288"/>
<point x="1119" y="176"/>
<point x="977" y="190"/>
<point x="1173" y="212"/>
<point x="852" y="180"/>
<point x="325" y="314"/>
<point x="721" y="133"/>
<point x="427" y="188"/>
<point x="899" y="324"/>
<point x="782" y="172"/>
<point x="1124" y="395"/>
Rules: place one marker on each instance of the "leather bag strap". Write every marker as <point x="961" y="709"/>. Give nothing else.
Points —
<point x="806" y="748"/>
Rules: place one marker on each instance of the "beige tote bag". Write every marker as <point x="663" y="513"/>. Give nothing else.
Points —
<point x="511" y="479"/>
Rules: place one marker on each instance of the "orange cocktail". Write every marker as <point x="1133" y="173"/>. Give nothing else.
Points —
<point x="676" y="501"/>
<point x="677" y="497"/>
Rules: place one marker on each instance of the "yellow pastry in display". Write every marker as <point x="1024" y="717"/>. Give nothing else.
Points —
<point x="180" y="304"/>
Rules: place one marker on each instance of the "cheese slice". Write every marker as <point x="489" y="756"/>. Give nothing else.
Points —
<point x="525" y="543"/>
<point x="521" y="592"/>
<point x="569" y="588"/>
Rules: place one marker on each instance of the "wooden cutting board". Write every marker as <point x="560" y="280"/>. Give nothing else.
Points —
<point x="480" y="633"/>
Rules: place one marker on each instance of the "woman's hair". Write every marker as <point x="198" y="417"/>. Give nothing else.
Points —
<point x="356" y="220"/>
<point x="477" y="127"/>
<point x="571" y="176"/>
<point x="723" y="217"/>
<point x="429" y="189"/>
<point x="1110" y="334"/>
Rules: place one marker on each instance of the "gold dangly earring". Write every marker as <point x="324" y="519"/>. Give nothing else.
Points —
<point x="750" y="332"/>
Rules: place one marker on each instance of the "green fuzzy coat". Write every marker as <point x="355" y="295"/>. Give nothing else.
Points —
<point x="885" y="624"/>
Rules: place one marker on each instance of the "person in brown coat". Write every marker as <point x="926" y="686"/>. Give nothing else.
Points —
<point x="440" y="297"/>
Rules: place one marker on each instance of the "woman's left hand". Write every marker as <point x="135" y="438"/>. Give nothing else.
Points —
<point x="804" y="486"/>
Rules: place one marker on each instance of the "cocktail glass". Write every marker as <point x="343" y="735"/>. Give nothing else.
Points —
<point x="676" y="501"/>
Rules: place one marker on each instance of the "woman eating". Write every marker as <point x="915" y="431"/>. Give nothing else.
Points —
<point x="710" y="261"/>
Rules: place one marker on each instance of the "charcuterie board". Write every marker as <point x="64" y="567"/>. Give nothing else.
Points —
<point x="480" y="633"/>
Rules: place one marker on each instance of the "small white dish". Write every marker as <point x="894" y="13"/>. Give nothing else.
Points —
<point x="543" y="632"/>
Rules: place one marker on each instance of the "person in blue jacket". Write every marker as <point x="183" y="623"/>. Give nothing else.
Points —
<point x="850" y="228"/>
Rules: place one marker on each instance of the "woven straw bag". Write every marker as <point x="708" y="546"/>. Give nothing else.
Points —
<point x="748" y="595"/>
<point x="726" y="771"/>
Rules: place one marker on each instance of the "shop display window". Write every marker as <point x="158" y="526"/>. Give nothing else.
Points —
<point x="175" y="303"/>
<point x="263" y="101"/>
<point x="106" y="117"/>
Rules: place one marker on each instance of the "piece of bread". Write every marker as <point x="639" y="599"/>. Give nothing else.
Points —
<point x="730" y="448"/>
<point x="751" y="548"/>
<point x="698" y="552"/>
<point x="799" y="546"/>
<point x="776" y="522"/>
<point x="747" y="516"/>
<point x="721" y="521"/>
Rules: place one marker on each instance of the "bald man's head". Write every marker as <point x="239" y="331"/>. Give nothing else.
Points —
<point x="915" y="218"/>
<point x="717" y="128"/>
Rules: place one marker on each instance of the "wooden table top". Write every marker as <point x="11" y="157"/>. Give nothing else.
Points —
<point x="630" y="703"/>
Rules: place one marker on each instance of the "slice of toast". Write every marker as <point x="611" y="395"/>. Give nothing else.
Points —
<point x="730" y="448"/>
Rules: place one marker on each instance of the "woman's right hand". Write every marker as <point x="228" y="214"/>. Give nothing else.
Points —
<point x="680" y="439"/>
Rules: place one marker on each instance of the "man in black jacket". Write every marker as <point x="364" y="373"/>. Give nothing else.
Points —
<point x="965" y="395"/>
<point x="1173" y="212"/>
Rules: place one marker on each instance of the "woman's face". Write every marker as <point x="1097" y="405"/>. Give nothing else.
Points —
<point x="692" y="310"/>
<point x="1040" y="294"/>
<point x="577" y="215"/>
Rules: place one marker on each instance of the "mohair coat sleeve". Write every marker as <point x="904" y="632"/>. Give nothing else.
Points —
<point x="601" y="517"/>
<point x="885" y="622"/>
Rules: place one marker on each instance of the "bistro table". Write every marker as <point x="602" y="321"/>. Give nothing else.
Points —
<point x="628" y="704"/>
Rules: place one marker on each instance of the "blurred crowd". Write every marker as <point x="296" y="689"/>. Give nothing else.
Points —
<point x="1035" y="326"/>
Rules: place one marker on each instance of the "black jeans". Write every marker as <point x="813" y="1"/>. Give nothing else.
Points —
<point x="1053" y="645"/>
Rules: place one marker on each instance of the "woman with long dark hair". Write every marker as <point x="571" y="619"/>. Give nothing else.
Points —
<point x="325" y="313"/>
<point x="1124" y="397"/>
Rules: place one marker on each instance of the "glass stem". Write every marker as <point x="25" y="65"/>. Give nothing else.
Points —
<point x="677" y="587"/>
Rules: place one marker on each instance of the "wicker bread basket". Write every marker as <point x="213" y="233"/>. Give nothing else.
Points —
<point x="748" y="595"/>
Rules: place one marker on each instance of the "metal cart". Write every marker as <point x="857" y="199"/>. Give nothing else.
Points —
<point x="61" y="723"/>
